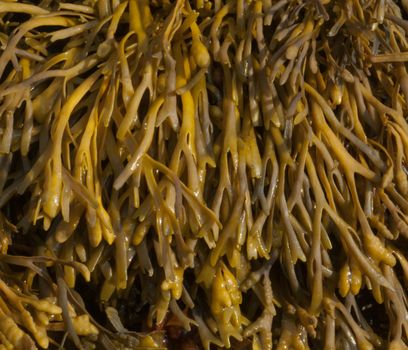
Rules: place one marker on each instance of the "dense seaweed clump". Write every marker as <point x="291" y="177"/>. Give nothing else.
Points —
<point x="203" y="174"/>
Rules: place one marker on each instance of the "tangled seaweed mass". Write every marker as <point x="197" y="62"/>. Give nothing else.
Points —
<point x="210" y="174"/>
